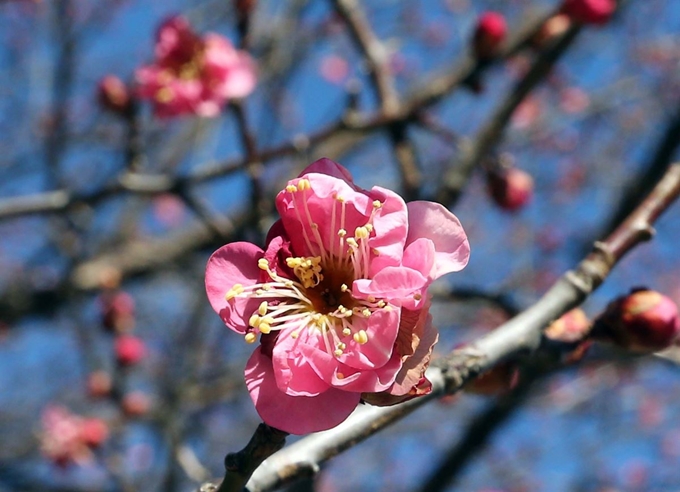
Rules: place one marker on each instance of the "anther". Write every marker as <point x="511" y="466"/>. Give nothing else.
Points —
<point x="338" y="352"/>
<point x="342" y="232"/>
<point x="352" y="242"/>
<point x="340" y="375"/>
<point x="250" y="337"/>
<point x="233" y="292"/>
<point x="361" y="233"/>
<point x="366" y="312"/>
<point x="304" y="184"/>
<point x="254" y="321"/>
<point x="291" y="188"/>
<point x="361" y="337"/>
<point x="417" y="296"/>
<point x="262" y="310"/>
<point x="263" y="264"/>
<point x="346" y="331"/>
<point x="377" y="204"/>
<point x="265" y="328"/>
<point x="344" y="288"/>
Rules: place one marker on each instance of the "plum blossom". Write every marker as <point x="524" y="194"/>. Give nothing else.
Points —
<point x="69" y="438"/>
<point x="193" y="74"/>
<point x="338" y="298"/>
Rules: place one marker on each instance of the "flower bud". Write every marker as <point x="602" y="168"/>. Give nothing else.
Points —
<point x="589" y="11"/>
<point x="510" y="188"/>
<point x="136" y="403"/>
<point x="129" y="350"/>
<point x="118" y="311"/>
<point x="99" y="384"/>
<point x="114" y="95"/>
<point x="93" y="432"/>
<point x="643" y="321"/>
<point x="490" y="33"/>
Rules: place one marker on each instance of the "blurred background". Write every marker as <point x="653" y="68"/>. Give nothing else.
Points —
<point x="115" y="373"/>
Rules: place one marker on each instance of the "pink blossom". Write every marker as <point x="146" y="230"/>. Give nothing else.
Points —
<point x="338" y="297"/>
<point x="68" y="438"/>
<point x="193" y="74"/>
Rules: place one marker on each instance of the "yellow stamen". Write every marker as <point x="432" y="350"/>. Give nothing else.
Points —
<point x="233" y="292"/>
<point x="377" y="204"/>
<point x="262" y="310"/>
<point x="265" y="328"/>
<point x="291" y="188"/>
<point x="346" y="331"/>
<point x="361" y="337"/>
<point x="251" y="337"/>
<point x="254" y="321"/>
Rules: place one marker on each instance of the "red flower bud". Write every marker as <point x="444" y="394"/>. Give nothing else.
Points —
<point x="643" y="321"/>
<point x="118" y="311"/>
<point x="129" y="350"/>
<point x="589" y="11"/>
<point x="136" y="404"/>
<point x="490" y="33"/>
<point x="94" y="432"/>
<point x="511" y="188"/>
<point x="113" y="94"/>
<point x="99" y="384"/>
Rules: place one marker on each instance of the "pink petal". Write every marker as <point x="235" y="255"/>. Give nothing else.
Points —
<point x="382" y="328"/>
<point x="434" y="221"/>
<point x="294" y="374"/>
<point x="348" y="378"/>
<point x="294" y="414"/>
<point x="400" y="285"/>
<point x="391" y="228"/>
<point x="299" y="210"/>
<point x="420" y="256"/>
<point x="330" y="168"/>
<point x="234" y="263"/>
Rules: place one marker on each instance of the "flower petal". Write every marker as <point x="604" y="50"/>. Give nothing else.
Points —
<point x="294" y="414"/>
<point x="234" y="263"/>
<point x="381" y="327"/>
<point x="420" y="255"/>
<point x="400" y="285"/>
<point x="391" y="228"/>
<point x="294" y="374"/>
<point x="329" y="168"/>
<point x="434" y="221"/>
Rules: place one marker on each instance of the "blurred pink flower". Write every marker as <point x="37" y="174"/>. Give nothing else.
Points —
<point x="193" y="74"/>
<point x="68" y="438"/>
<point x="339" y="296"/>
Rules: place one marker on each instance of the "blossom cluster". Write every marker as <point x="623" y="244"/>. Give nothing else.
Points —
<point x="193" y="74"/>
<point x="68" y="438"/>
<point x="338" y="298"/>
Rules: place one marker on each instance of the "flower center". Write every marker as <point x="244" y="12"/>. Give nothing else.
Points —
<point x="321" y="298"/>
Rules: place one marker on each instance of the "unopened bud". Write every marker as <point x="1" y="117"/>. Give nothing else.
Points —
<point x="129" y="350"/>
<point x="99" y="384"/>
<point x="510" y="188"/>
<point x="118" y="311"/>
<point x="490" y="33"/>
<point x="114" y="95"/>
<point x="589" y="11"/>
<point x="94" y="432"/>
<point x="643" y="321"/>
<point x="136" y="403"/>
